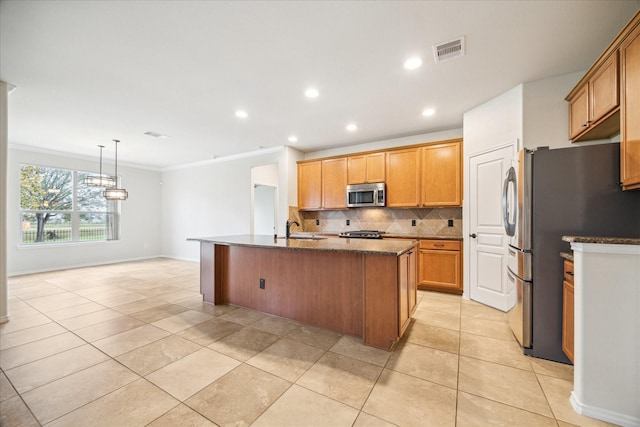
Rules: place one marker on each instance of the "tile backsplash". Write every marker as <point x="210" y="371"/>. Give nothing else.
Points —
<point x="397" y="221"/>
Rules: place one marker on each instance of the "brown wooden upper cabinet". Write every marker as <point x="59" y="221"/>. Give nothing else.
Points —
<point x="366" y="168"/>
<point x="322" y="184"/>
<point x="442" y="174"/>
<point x="310" y="185"/>
<point x="606" y="101"/>
<point x="594" y="105"/>
<point x="403" y="178"/>
<point x="334" y="183"/>
<point x="425" y="175"/>
<point x="630" y="121"/>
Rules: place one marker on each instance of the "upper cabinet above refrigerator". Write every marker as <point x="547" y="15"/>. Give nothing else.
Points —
<point x="606" y="101"/>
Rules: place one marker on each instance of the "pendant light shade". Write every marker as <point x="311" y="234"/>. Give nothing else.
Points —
<point x="116" y="193"/>
<point x="100" y="180"/>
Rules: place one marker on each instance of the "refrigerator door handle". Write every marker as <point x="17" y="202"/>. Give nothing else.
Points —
<point x="509" y="227"/>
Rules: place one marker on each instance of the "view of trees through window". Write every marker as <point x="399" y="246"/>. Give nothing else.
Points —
<point x="56" y="206"/>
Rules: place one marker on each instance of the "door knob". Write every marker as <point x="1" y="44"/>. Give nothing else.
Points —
<point x="473" y="235"/>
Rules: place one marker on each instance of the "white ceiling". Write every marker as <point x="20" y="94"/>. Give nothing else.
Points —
<point x="90" y="71"/>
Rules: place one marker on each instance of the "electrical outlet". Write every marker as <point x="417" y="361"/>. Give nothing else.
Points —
<point x="317" y="222"/>
<point x="413" y="222"/>
<point x="348" y="222"/>
<point x="262" y="283"/>
<point x="450" y="223"/>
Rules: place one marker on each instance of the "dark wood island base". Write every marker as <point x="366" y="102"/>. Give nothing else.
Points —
<point x="365" y="289"/>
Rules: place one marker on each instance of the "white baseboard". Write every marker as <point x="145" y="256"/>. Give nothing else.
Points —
<point x="88" y="264"/>
<point x="603" y="414"/>
<point x="180" y="258"/>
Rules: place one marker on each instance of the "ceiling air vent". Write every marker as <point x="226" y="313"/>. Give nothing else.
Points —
<point x="448" y="50"/>
<point x="155" y="134"/>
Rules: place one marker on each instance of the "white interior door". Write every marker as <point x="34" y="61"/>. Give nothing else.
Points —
<point x="488" y="242"/>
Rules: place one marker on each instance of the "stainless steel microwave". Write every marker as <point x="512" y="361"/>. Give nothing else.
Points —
<point x="363" y="195"/>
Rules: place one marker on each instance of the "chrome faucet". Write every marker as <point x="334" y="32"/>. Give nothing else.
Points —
<point x="288" y="227"/>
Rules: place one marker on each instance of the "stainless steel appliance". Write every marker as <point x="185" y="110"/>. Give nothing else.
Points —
<point x="362" y="234"/>
<point x="363" y="195"/>
<point x="548" y="194"/>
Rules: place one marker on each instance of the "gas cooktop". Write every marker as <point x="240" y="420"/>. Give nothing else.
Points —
<point x="362" y="234"/>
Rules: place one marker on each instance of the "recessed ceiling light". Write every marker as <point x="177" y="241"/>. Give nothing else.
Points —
<point x="428" y="112"/>
<point x="293" y="138"/>
<point x="412" y="63"/>
<point x="241" y="114"/>
<point x="311" y="92"/>
<point x="352" y="127"/>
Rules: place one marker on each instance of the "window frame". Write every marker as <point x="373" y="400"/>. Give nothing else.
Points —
<point x="113" y="211"/>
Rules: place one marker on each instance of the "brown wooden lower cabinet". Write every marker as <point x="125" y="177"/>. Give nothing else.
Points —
<point x="407" y="289"/>
<point x="440" y="266"/>
<point x="568" y="310"/>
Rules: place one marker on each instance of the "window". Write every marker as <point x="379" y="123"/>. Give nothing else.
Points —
<point x="56" y="207"/>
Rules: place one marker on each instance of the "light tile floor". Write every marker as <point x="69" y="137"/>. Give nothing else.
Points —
<point x="132" y="344"/>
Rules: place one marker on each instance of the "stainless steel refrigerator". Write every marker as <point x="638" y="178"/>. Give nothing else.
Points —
<point x="548" y="194"/>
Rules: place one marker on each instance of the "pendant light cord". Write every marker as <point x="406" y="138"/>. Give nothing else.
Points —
<point x="116" y="177"/>
<point x="101" y="147"/>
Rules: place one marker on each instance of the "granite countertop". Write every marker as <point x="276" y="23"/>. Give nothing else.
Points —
<point x="385" y="235"/>
<point x="364" y="246"/>
<point x="602" y="240"/>
<point x="567" y="255"/>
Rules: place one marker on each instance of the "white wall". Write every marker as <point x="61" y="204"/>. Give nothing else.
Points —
<point x="546" y="113"/>
<point x="387" y="143"/>
<point x="214" y="199"/>
<point x="140" y="219"/>
<point x="4" y="116"/>
<point x="493" y="123"/>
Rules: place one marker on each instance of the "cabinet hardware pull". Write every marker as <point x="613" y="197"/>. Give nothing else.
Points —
<point x="439" y="245"/>
<point x="570" y="273"/>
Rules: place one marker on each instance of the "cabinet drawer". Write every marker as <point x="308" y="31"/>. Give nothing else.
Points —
<point x="568" y="271"/>
<point x="447" y="245"/>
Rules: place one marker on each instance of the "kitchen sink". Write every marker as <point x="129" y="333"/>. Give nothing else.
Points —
<point x="307" y="238"/>
<point x="303" y="238"/>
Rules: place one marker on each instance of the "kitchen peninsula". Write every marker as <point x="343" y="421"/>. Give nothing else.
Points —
<point x="365" y="288"/>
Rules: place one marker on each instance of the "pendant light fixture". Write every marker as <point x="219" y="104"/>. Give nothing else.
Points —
<point x="100" y="180"/>
<point x="116" y="193"/>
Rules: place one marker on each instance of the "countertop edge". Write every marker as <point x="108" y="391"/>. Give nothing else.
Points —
<point x="602" y="240"/>
<point x="305" y="245"/>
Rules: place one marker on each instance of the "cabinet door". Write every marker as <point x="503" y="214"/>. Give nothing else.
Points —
<point x="310" y="185"/>
<point x="568" y="319"/>
<point x="604" y="89"/>
<point x="403" y="178"/>
<point x="630" y="121"/>
<point x="403" y="293"/>
<point x="440" y="265"/>
<point x="357" y="169"/>
<point x="376" y="166"/>
<point x="579" y="113"/>
<point x="413" y="281"/>
<point x="334" y="183"/>
<point x="442" y="175"/>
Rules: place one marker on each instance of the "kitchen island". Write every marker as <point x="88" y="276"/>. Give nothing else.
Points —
<point x="360" y="287"/>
